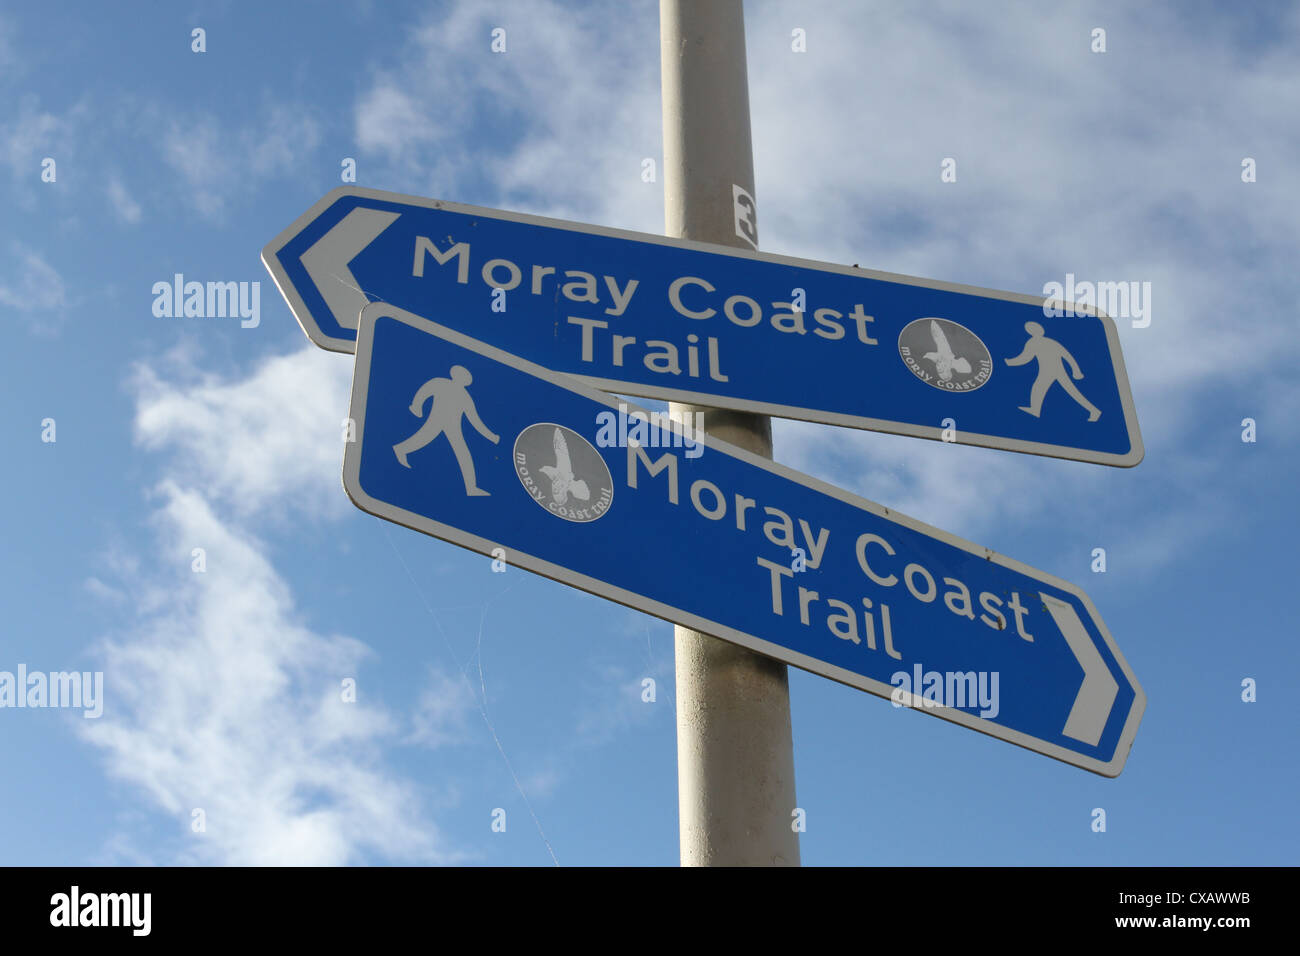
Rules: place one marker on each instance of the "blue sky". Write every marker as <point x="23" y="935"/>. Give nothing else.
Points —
<point x="479" y="690"/>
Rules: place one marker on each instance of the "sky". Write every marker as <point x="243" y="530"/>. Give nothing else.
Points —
<point x="225" y="737"/>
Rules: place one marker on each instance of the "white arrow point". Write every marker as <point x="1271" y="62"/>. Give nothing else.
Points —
<point x="327" y="261"/>
<point x="1098" y="691"/>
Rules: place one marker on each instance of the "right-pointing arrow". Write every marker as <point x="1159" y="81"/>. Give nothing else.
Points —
<point x="1098" y="691"/>
<point x="327" y="261"/>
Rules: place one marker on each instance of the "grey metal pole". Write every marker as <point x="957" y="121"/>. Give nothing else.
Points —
<point x="735" y="750"/>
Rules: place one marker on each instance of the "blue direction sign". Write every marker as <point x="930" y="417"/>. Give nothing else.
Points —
<point x="462" y="441"/>
<point x="684" y="321"/>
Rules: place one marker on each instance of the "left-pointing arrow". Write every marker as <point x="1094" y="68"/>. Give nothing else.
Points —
<point x="327" y="261"/>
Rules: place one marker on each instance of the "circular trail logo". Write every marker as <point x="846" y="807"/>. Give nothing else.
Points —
<point x="563" y="472"/>
<point x="945" y="354"/>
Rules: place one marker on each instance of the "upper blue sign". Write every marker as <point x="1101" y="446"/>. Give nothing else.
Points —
<point x="459" y="440"/>
<point x="690" y="322"/>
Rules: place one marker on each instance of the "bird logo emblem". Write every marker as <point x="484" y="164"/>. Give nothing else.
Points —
<point x="563" y="473"/>
<point x="945" y="354"/>
<point x="563" y="483"/>
<point x="945" y="362"/>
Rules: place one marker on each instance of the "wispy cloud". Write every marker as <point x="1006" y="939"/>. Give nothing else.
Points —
<point x="614" y="704"/>
<point x="34" y="287"/>
<point x="219" y="698"/>
<point x="31" y="135"/>
<point x="217" y="162"/>
<point x="270" y="441"/>
<point x="125" y="207"/>
<point x="222" y="701"/>
<point x="572" y="105"/>
<point x="1032" y="201"/>
<point x="443" y="711"/>
<point x="390" y="121"/>
<point x="849" y="138"/>
<point x="104" y="592"/>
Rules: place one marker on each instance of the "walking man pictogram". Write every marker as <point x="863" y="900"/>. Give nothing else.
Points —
<point x="451" y="403"/>
<point x="1051" y="356"/>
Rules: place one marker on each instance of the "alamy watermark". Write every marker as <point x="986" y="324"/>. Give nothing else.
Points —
<point x="208" y="300"/>
<point x="650" y="430"/>
<point x="131" y="911"/>
<point x="959" y="689"/>
<point x="1119" y="300"/>
<point x="80" y="689"/>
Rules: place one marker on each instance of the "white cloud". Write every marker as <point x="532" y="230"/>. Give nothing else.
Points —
<point x="572" y="107"/>
<point x="389" y="121"/>
<point x="1056" y="169"/>
<point x="35" y="287"/>
<point x="194" y="150"/>
<point x="105" y="592"/>
<point x="222" y="700"/>
<point x="218" y="696"/>
<point x="30" y="136"/>
<point x="216" y="164"/>
<point x="542" y="783"/>
<point x="442" y="711"/>
<point x="613" y="705"/>
<point x="264" y="444"/>
<point x="127" y="209"/>
<point x="277" y="146"/>
<point x="1056" y="173"/>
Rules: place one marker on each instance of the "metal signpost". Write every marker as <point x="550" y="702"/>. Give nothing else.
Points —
<point x="736" y="800"/>
<point x="460" y="440"/>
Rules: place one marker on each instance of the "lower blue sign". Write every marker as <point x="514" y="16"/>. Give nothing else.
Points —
<point x="472" y="445"/>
